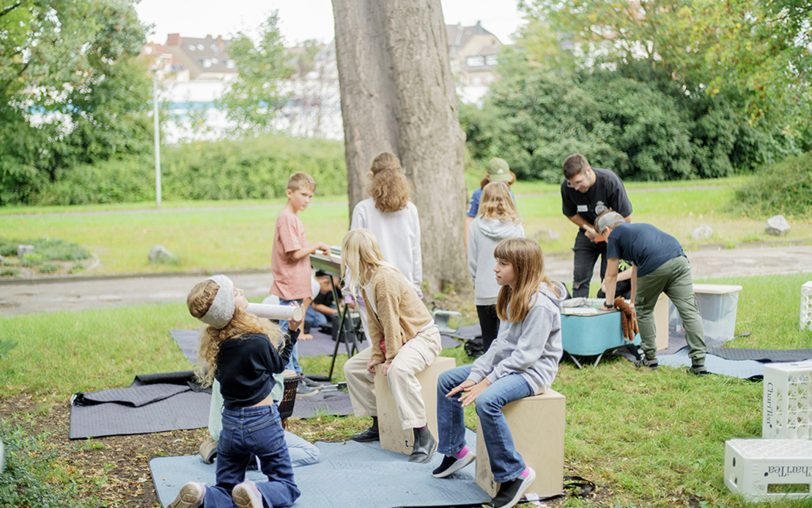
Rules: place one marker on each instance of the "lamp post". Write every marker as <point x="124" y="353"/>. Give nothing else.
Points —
<point x="157" y="140"/>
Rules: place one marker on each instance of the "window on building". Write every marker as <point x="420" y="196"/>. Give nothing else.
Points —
<point x="475" y="61"/>
<point x="490" y="60"/>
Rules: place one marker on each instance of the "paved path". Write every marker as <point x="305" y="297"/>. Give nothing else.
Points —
<point x="44" y="295"/>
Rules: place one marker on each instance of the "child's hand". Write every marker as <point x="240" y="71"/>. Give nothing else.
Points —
<point x="460" y="387"/>
<point x="323" y="247"/>
<point x="293" y="324"/>
<point x="385" y="366"/>
<point x="371" y="364"/>
<point x="473" y="392"/>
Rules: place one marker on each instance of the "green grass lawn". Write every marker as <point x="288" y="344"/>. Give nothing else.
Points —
<point x="646" y="438"/>
<point x="236" y="235"/>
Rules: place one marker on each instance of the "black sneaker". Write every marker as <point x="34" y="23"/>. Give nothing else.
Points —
<point x="511" y="492"/>
<point x="451" y="465"/>
<point x="367" y="436"/>
<point x="699" y="370"/>
<point x="309" y="382"/>
<point x="302" y="390"/>
<point x="651" y="363"/>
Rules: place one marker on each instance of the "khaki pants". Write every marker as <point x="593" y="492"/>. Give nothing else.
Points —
<point x="674" y="279"/>
<point x="413" y="358"/>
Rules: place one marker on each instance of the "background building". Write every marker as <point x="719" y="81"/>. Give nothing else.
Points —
<point x="194" y="72"/>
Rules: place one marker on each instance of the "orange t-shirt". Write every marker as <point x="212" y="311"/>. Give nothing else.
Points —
<point x="291" y="279"/>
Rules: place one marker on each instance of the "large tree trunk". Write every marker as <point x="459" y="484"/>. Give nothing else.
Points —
<point x="397" y="94"/>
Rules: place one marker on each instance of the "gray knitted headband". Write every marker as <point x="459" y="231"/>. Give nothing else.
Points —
<point x="222" y="308"/>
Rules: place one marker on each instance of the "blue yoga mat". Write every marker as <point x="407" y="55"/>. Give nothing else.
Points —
<point x="349" y="474"/>
<point x="745" y="369"/>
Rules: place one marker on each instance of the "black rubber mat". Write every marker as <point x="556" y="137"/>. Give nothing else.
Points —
<point x="762" y="355"/>
<point x="148" y="405"/>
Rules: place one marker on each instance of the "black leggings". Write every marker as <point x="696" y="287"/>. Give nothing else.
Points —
<point x="489" y="323"/>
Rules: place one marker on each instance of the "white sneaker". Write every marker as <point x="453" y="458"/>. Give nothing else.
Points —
<point x="190" y="496"/>
<point x="247" y="495"/>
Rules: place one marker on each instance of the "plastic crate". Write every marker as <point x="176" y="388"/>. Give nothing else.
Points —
<point x="806" y="306"/>
<point x="769" y="469"/>
<point x="787" y="403"/>
<point x="717" y="305"/>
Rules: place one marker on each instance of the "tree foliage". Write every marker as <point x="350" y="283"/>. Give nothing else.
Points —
<point x="758" y="48"/>
<point x="657" y="89"/>
<point x="253" y="99"/>
<point x="71" y="89"/>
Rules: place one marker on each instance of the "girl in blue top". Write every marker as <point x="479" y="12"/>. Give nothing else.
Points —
<point x="237" y="350"/>
<point x="522" y="361"/>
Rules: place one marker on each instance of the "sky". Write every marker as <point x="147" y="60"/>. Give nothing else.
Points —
<point x="299" y="19"/>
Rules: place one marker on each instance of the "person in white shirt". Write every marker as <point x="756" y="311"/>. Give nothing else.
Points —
<point x="392" y="218"/>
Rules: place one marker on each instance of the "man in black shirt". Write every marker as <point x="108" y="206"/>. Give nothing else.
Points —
<point x="586" y="193"/>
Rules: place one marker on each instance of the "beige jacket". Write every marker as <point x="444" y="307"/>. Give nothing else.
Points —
<point x="395" y="312"/>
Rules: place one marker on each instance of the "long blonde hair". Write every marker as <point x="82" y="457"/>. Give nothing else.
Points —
<point x="388" y="186"/>
<point x="360" y="258"/>
<point x="497" y="203"/>
<point x="199" y="300"/>
<point x="528" y="267"/>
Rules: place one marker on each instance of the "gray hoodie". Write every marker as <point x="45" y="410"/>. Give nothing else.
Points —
<point x="531" y="348"/>
<point x="483" y="235"/>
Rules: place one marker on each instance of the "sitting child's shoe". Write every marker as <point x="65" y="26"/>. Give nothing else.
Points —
<point x="190" y="496"/>
<point x="452" y="464"/>
<point x="424" y="445"/>
<point x="511" y="492"/>
<point x="247" y="495"/>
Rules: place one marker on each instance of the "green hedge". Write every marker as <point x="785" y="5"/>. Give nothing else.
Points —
<point x="254" y="168"/>
<point x="782" y="188"/>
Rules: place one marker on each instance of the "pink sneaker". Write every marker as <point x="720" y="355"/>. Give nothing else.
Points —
<point x="246" y="495"/>
<point x="190" y="496"/>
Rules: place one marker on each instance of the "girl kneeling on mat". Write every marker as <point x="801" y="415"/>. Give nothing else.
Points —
<point x="238" y="352"/>
<point x="522" y="361"/>
<point x="404" y="339"/>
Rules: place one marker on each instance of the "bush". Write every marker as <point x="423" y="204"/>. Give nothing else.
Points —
<point x="253" y="168"/>
<point x="29" y="479"/>
<point x="783" y="188"/>
<point x="636" y="123"/>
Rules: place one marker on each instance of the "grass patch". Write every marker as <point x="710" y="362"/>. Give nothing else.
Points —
<point x="49" y="255"/>
<point x="33" y="475"/>
<point x="646" y="438"/>
<point x="237" y="235"/>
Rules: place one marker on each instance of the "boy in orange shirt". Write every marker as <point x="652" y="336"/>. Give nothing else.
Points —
<point x="290" y="260"/>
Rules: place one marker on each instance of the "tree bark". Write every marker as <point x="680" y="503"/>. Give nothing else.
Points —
<point x="397" y="94"/>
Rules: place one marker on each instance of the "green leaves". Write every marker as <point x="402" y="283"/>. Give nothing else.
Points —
<point x="71" y="90"/>
<point x="255" y="97"/>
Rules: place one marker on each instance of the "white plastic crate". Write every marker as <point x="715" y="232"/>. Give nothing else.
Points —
<point x="769" y="469"/>
<point x="787" y="402"/>
<point x="806" y="306"/>
<point x="717" y="305"/>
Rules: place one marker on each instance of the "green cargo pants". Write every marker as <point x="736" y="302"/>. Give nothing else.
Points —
<point x="674" y="279"/>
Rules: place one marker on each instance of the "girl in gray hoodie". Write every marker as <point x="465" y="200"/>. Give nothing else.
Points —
<point x="522" y="361"/>
<point x="497" y="220"/>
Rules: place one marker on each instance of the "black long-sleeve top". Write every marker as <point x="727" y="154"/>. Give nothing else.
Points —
<point x="246" y="365"/>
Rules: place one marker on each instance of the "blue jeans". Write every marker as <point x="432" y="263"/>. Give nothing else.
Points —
<point x="506" y="463"/>
<point x="293" y="363"/>
<point x="256" y="430"/>
<point x="314" y="318"/>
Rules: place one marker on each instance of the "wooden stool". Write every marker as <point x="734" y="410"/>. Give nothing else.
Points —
<point x="393" y="437"/>
<point x="537" y="426"/>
